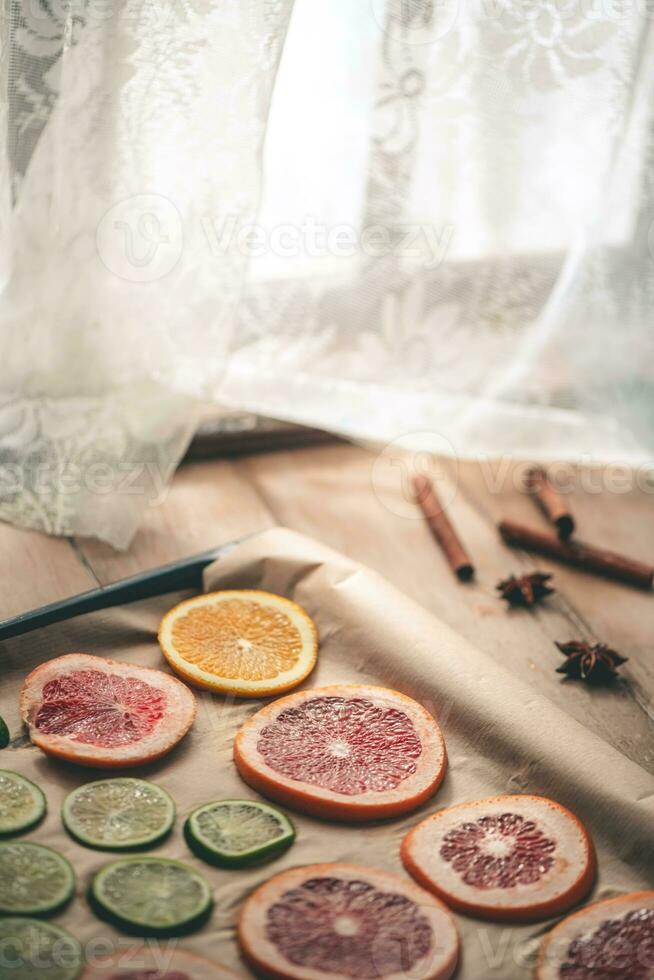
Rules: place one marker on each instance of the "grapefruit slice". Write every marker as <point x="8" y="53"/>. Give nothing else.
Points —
<point x="98" y="712"/>
<point x="157" y="963"/>
<point x="343" y="921"/>
<point x="610" y="939"/>
<point x="346" y="752"/>
<point x="248" y="643"/>
<point x="508" y="858"/>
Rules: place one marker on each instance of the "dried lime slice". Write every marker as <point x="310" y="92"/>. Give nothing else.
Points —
<point x="118" y="814"/>
<point x="238" y="833"/>
<point x="34" y="880"/>
<point x="151" y="896"/>
<point x="33" y="950"/>
<point x="22" y="804"/>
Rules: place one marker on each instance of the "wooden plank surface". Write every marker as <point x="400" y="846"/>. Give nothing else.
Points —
<point x="343" y="497"/>
<point x="335" y="495"/>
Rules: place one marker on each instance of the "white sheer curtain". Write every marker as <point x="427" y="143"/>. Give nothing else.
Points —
<point x="429" y="220"/>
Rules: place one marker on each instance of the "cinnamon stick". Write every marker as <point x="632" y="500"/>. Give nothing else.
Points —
<point x="552" y="503"/>
<point x="442" y="529"/>
<point x="585" y="556"/>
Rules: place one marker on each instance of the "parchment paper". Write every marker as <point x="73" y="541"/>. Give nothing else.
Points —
<point x="501" y="737"/>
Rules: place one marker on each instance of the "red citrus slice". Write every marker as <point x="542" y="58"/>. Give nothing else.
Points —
<point x="331" y="921"/>
<point x="513" y="858"/>
<point x="149" y="963"/>
<point x="98" y="712"/>
<point x="347" y="752"/>
<point x="610" y="939"/>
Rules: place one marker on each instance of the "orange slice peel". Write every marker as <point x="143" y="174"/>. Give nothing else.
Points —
<point x="245" y="642"/>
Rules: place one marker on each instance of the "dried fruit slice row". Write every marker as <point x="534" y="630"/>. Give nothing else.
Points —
<point x="515" y="858"/>
<point x="238" y="833"/>
<point x="22" y="804"/>
<point x="34" y="880"/>
<point x="148" y="963"/>
<point x="345" y="752"/>
<point x="39" y="950"/>
<point x="243" y="642"/>
<point x="614" y="938"/>
<point x="151" y="896"/>
<point x="343" y="921"/>
<point x="98" y="712"/>
<point x="118" y="814"/>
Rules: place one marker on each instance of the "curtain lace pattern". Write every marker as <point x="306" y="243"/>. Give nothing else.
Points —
<point x="390" y="219"/>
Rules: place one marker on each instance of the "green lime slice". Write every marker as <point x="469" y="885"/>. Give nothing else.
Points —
<point x="238" y="833"/>
<point x="4" y="734"/>
<point x="151" y="896"/>
<point x="33" y="950"/>
<point x="118" y="814"/>
<point x="22" y="804"/>
<point x="34" y="880"/>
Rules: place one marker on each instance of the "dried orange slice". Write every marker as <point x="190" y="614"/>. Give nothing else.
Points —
<point x="347" y="752"/>
<point x="103" y="713"/>
<point x="613" y="938"/>
<point x="339" y="921"/>
<point x="513" y="858"/>
<point x="248" y="643"/>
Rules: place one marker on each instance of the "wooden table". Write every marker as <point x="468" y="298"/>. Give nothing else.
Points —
<point x="333" y="493"/>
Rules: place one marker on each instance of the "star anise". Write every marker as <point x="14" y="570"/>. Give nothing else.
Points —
<point x="592" y="662"/>
<point x="525" y="590"/>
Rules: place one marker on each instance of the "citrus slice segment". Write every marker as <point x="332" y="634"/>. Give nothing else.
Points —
<point x="614" y="938"/>
<point x="98" y="712"/>
<point x="22" y="804"/>
<point x="343" y="921"/>
<point x="39" y="950"/>
<point x="508" y="858"/>
<point x="238" y="833"/>
<point x="247" y="643"/>
<point x="345" y="752"/>
<point x="151" y="896"/>
<point x="34" y="880"/>
<point x="118" y="814"/>
<point x="146" y="963"/>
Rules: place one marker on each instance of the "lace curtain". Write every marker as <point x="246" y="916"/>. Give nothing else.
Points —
<point x="393" y="218"/>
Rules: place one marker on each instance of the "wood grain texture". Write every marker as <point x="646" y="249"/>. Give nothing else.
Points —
<point x="337" y="495"/>
<point x="333" y="495"/>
